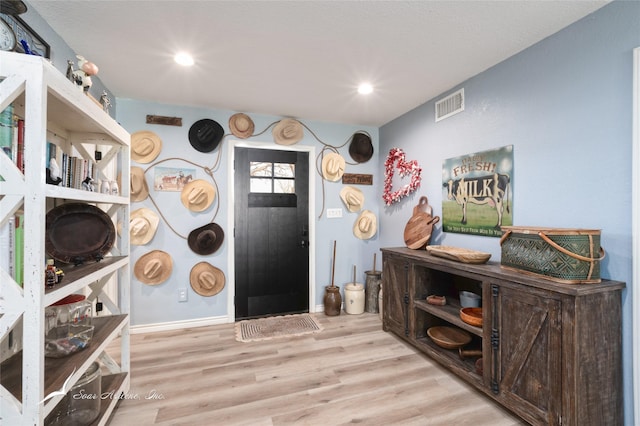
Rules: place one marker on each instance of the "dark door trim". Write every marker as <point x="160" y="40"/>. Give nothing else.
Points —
<point x="231" y="276"/>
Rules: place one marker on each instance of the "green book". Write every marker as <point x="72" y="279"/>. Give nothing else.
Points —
<point x="6" y="130"/>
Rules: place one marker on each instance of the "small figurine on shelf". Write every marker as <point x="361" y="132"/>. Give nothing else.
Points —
<point x="53" y="173"/>
<point x="87" y="184"/>
<point x="105" y="101"/>
<point x="82" y="76"/>
<point x="50" y="277"/>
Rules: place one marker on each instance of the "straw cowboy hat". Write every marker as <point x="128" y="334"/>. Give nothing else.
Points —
<point x="143" y="224"/>
<point x="241" y="125"/>
<point x="360" y="147"/>
<point x="287" y="132"/>
<point x="198" y="195"/>
<point x="206" y="279"/>
<point x="207" y="239"/>
<point x="139" y="189"/>
<point x="365" y="226"/>
<point x="153" y="268"/>
<point x="145" y="146"/>
<point x="352" y="197"/>
<point x="333" y="166"/>
<point x="205" y="135"/>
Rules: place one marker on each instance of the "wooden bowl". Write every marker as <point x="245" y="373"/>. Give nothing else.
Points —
<point x="459" y="254"/>
<point x="472" y="316"/>
<point x="448" y="337"/>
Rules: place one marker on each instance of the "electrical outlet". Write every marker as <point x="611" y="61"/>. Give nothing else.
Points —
<point x="332" y="213"/>
<point x="182" y="295"/>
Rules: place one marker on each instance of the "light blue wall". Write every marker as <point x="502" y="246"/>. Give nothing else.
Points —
<point x="565" y="105"/>
<point x="159" y="304"/>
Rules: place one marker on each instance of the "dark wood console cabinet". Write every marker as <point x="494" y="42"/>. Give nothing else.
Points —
<point x="551" y="353"/>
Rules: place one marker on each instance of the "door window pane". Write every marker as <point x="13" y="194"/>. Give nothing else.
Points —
<point x="272" y="178"/>
<point x="258" y="168"/>
<point x="284" y="186"/>
<point x="262" y="185"/>
<point x="284" y="170"/>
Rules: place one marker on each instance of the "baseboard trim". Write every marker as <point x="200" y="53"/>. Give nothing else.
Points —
<point x="178" y="325"/>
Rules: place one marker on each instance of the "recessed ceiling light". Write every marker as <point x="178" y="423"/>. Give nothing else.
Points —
<point x="365" y="89"/>
<point x="183" y="59"/>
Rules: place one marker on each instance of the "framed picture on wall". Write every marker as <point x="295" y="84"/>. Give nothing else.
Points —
<point x="172" y="178"/>
<point x="478" y="192"/>
<point x="35" y="43"/>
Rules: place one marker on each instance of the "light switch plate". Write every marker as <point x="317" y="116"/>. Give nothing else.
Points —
<point x="182" y="295"/>
<point x="333" y="213"/>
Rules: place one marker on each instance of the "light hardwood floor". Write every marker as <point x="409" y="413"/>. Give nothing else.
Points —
<point x="351" y="372"/>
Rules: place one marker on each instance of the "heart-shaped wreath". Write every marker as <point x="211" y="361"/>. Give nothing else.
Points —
<point x="396" y="159"/>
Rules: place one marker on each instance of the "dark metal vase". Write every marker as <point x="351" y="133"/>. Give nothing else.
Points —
<point x="332" y="301"/>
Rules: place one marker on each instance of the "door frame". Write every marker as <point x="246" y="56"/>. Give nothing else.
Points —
<point x="635" y="232"/>
<point x="233" y="144"/>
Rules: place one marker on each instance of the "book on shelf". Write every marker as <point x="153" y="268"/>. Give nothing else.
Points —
<point x="19" y="137"/>
<point x="19" y="249"/>
<point x="6" y="131"/>
<point x="7" y="254"/>
<point x="12" y="247"/>
<point x="12" y="136"/>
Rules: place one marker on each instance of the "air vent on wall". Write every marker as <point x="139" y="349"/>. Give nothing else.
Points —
<point x="450" y="105"/>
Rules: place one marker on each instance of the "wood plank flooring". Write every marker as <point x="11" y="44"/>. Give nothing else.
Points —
<point x="351" y="372"/>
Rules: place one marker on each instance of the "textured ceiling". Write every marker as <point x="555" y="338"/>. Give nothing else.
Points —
<point x="302" y="58"/>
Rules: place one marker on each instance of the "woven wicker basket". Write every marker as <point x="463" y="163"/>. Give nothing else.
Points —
<point x="570" y="256"/>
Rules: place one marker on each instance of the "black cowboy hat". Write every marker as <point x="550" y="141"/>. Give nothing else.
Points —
<point x="205" y="135"/>
<point x="360" y="147"/>
<point x="206" y="239"/>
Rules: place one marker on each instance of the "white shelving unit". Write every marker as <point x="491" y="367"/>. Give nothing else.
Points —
<point x="54" y="110"/>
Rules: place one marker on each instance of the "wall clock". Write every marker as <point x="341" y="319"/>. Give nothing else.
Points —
<point x="7" y="36"/>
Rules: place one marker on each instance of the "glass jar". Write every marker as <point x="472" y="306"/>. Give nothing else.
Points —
<point x="67" y="326"/>
<point x="81" y="405"/>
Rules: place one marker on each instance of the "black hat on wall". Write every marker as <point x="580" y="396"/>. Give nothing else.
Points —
<point x="206" y="239"/>
<point x="361" y="148"/>
<point x="205" y="135"/>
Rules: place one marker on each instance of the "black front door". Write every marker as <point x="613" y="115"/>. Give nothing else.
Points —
<point x="271" y="232"/>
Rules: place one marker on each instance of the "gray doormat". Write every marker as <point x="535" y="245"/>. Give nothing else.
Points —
<point x="276" y="327"/>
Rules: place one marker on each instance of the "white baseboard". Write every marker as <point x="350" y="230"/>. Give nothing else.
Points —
<point x="178" y="325"/>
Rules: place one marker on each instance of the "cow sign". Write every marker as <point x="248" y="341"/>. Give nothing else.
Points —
<point x="477" y="192"/>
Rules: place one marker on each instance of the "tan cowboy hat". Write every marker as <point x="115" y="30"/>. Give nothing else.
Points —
<point x="366" y="225"/>
<point x="145" y="146"/>
<point x="288" y="132"/>
<point x="139" y="188"/>
<point x="241" y="125"/>
<point x="206" y="279"/>
<point x="198" y="195"/>
<point x="333" y="166"/>
<point x="352" y="197"/>
<point x="143" y="224"/>
<point x="153" y="268"/>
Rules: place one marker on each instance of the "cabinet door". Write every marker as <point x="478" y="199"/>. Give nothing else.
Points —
<point x="395" y="295"/>
<point x="526" y="341"/>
